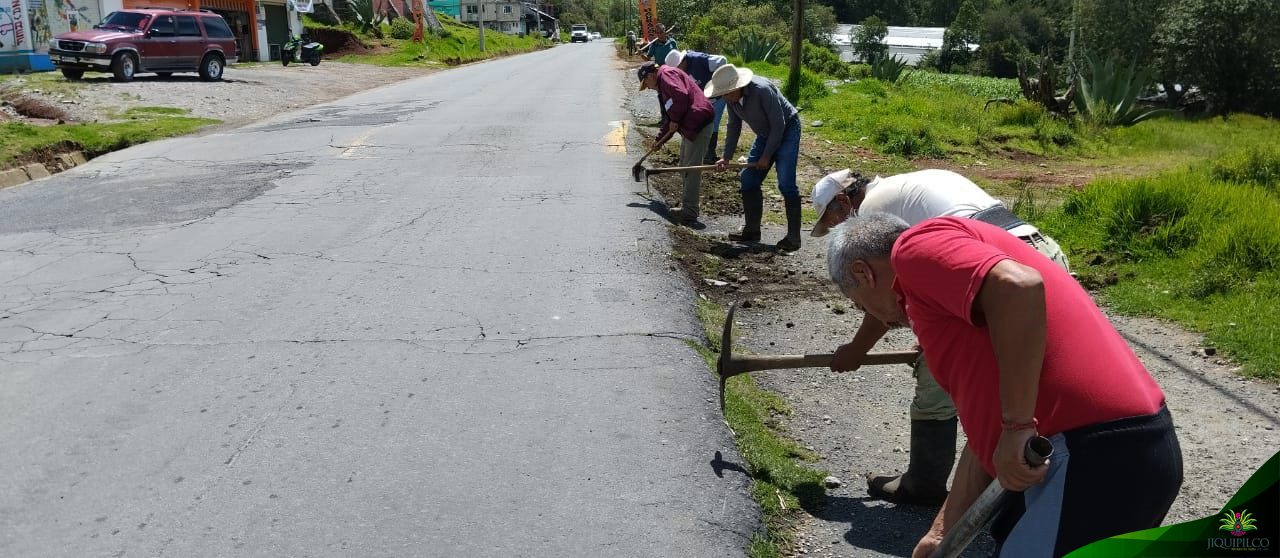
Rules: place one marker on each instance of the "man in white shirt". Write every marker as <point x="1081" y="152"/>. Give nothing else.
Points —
<point x="915" y="197"/>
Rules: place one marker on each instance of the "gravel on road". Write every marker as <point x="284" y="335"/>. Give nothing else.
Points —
<point x="246" y="93"/>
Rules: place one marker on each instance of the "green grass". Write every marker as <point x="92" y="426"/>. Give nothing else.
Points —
<point x="782" y="483"/>
<point x="459" y="45"/>
<point x="936" y="115"/>
<point x="1199" y="246"/>
<point x="20" y="141"/>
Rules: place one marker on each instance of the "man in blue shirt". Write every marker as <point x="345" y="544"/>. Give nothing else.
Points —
<point x="776" y="123"/>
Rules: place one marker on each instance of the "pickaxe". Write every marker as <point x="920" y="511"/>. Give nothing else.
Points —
<point x="731" y="365"/>
<point x="1039" y="449"/>
<point x="639" y="172"/>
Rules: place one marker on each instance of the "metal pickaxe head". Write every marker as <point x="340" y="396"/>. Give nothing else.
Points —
<point x="725" y="362"/>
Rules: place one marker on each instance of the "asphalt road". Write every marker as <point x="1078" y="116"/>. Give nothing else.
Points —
<point x="422" y="320"/>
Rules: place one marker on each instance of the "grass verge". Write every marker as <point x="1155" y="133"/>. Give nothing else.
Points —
<point x="782" y="483"/>
<point x="1199" y="246"/>
<point x="930" y="115"/>
<point x="20" y="142"/>
<point x="458" y="44"/>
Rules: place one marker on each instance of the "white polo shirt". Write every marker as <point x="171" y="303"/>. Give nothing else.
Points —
<point x="922" y="195"/>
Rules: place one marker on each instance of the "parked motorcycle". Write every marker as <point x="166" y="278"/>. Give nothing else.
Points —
<point x="301" y="49"/>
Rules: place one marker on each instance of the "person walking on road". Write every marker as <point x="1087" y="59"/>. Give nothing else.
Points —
<point x="701" y="66"/>
<point x="685" y="110"/>
<point x="631" y="42"/>
<point x="776" y="123"/>
<point x="657" y="49"/>
<point x="1023" y="351"/>
<point x="915" y="197"/>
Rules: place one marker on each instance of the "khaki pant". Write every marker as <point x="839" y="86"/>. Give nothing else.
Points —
<point x="691" y="153"/>
<point x="930" y="401"/>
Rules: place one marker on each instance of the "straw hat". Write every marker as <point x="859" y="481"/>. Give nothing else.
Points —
<point x="728" y="78"/>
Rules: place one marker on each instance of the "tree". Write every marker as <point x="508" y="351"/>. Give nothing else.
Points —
<point x="964" y="31"/>
<point x="1123" y="30"/>
<point x="1228" y="48"/>
<point x="868" y="39"/>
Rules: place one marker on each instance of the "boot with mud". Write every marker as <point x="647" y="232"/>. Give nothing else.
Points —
<point x="933" y="452"/>
<point x="791" y="242"/>
<point x="753" y="209"/>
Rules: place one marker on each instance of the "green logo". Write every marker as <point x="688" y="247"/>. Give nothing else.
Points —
<point x="1237" y="523"/>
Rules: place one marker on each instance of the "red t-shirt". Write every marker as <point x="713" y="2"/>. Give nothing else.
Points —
<point x="1090" y="375"/>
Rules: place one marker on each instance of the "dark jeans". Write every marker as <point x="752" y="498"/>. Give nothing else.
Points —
<point x="1104" y="480"/>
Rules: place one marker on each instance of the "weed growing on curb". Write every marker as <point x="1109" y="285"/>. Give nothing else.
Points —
<point x="782" y="484"/>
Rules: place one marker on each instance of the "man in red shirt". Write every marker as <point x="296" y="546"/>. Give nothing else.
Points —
<point x="685" y="109"/>
<point x="1022" y="350"/>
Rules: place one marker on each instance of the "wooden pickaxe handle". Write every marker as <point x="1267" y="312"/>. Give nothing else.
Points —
<point x="741" y="364"/>
<point x="694" y="168"/>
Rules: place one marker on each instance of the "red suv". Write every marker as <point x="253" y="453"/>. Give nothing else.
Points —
<point x="153" y="40"/>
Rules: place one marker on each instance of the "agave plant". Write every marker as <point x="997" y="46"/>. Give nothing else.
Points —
<point x="752" y="48"/>
<point x="365" y="15"/>
<point x="1109" y="94"/>
<point x="889" y="69"/>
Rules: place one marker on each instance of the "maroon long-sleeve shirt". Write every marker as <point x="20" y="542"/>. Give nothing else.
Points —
<point x="682" y="102"/>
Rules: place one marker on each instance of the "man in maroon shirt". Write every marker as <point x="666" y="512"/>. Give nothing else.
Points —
<point x="686" y="110"/>
<point x="1022" y="350"/>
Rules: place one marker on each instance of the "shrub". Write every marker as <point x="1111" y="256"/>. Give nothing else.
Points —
<point x="889" y="69"/>
<point x="402" y="28"/>
<point x="1049" y="129"/>
<point x="907" y="138"/>
<point x="811" y="87"/>
<point x="1256" y="165"/>
<point x="1108" y="94"/>
<point x="824" y="61"/>
<point x="1022" y="113"/>
<point x="369" y="19"/>
<point x="756" y="48"/>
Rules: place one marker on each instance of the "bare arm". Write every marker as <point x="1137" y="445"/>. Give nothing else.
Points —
<point x="1011" y="303"/>
<point x="849" y="356"/>
<point x="969" y="483"/>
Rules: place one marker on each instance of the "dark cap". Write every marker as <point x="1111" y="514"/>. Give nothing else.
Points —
<point x="645" y="71"/>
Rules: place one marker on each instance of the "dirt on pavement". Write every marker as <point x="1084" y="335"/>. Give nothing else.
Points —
<point x="247" y="92"/>
<point x="857" y="422"/>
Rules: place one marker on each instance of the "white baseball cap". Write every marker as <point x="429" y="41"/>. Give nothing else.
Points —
<point x="825" y="191"/>
<point x="674" y="58"/>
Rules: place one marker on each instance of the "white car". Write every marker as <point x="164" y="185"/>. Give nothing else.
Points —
<point x="595" y="35"/>
<point x="579" y="34"/>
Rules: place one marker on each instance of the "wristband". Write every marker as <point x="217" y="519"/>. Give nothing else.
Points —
<point x="1009" y="426"/>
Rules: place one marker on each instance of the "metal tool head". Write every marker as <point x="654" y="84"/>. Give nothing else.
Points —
<point x="638" y="172"/>
<point x="726" y="352"/>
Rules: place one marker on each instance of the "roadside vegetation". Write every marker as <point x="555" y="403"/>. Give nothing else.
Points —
<point x="783" y="484"/>
<point x="391" y="44"/>
<point x="45" y="134"/>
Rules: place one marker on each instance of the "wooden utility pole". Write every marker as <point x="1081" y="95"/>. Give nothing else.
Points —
<point x="797" y="50"/>
<point x="480" y="22"/>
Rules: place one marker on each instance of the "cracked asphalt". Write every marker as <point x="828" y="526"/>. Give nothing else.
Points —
<point x="422" y="320"/>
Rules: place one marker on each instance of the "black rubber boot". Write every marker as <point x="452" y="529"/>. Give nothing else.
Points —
<point x="753" y="209"/>
<point x="711" y="157"/>
<point x="791" y="242"/>
<point x="933" y="453"/>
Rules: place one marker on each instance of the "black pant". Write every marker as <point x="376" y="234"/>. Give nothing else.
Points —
<point x="1122" y="476"/>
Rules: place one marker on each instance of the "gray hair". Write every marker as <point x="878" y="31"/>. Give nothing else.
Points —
<point x="862" y="237"/>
